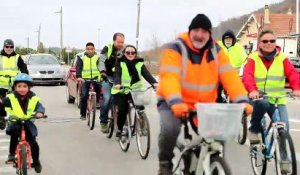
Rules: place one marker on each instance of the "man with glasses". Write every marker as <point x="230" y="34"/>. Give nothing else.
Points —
<point x="10" y="65"/>
<point x="265" y="72"/>
<point x="108" y="57"/>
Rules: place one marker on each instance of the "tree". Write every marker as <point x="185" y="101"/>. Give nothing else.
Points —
<point x="41" y="48"/>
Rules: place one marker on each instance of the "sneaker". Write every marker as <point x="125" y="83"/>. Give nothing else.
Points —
<point x="104" y="127"/>
<point x="82" y="117"/>
<point x="10" y="159"/>
<point x="37" y="166"/>
<point x="2" y="124"/>
<point x="118" y="135"/>
<point x="253" y="137"/>
<point x="285" y="166"/>
<point x="165" y="168"/>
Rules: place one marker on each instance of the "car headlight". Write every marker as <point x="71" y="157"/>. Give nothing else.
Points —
<point x="31" y="71"/>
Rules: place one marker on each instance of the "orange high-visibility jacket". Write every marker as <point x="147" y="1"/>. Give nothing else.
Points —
<point x="182" y="80"/>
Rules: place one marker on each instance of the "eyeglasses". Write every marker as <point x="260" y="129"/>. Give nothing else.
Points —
<point x="270" y="41"/>
<point x="130" y="53"/>
<point x="7" y="47"/>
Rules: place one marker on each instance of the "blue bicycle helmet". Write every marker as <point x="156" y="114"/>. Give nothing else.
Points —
<point x="21" y="77"/>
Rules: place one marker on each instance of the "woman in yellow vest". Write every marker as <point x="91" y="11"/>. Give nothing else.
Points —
<point x="23" y="103"/>
<point x="265" y="71"/>
<point x="128" y="72"/>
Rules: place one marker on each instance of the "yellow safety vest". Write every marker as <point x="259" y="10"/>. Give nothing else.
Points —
<point x="16" y="109"/>
<point x="8" y="66"/>
<point x="90" y="67"/>
<point x="235" y="53"/>
<point x="109" y="50"/>
<point x="271" y="81"/>
<point x="126" y="78"/>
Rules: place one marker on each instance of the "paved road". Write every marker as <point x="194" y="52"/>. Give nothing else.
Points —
<point x="69" y="147"/>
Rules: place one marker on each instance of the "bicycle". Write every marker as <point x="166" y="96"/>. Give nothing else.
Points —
<point x="9" y="90"/>
<point x="205" y="153"/>
<point x="137" y="123"/>
<point x="261" y="153"/>
<point x="92" y="103"/>
<point x="23" y="151"/>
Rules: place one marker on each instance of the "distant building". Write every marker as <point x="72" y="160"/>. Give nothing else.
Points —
<point x="283" y="25"/>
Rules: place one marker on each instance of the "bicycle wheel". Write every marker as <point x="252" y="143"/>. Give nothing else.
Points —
<point x="218" y="166"/>
<point x="243" y="131"/>
<point x="290" y="151"/>
<point x="23" y="159"/>
<point x="78" y="99"/>
<point x="258" y="160"/>
<point x="92" y="112"/>
<point x="143" y="134"/>
<point x="126" y="135"/>
<point x="110" y="124"/>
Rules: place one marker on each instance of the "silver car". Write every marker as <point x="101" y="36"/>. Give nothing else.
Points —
<point x="45" y="69"/>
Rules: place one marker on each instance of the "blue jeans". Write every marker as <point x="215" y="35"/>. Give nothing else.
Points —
<point x="104" y="107"/>
<point x="85" y="94"/>
<point x="260" y="107"/>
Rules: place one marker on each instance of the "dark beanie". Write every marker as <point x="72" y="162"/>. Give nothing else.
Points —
<point x="8" y="42"/>
<point x="201" y="21"/>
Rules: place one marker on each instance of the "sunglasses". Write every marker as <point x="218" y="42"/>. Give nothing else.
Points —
<point x="268" y="41"/>
<point x="7" y="47"/>
<point x="130" y="53"/>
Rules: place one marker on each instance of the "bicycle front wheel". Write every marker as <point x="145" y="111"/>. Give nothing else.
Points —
<point x="218" y="166"/>
<point x="243" y="130"/>
<point x="92" y="112"/>
<point x="258" y="160"/>
<point x="110" y="124"/>
<point x="290" y="156"/>
<point x="143" y="135"/>
<point x="23" y="161"/>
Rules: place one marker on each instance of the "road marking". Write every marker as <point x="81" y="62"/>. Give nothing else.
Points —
<point x="3" y="148"/>
<point x="7" y="169"/>
<point x="294" y="120"/>
<point x="2" y="134"/>
<point x="298" y="157"/>
<point x="295" y="130"/>
<point x="4" y="140"/>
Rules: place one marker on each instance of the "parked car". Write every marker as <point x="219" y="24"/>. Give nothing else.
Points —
<point x="73" y="88"/>
<point x="45" y="69"/>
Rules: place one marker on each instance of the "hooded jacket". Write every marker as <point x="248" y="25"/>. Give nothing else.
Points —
<point x="21" y="65"/>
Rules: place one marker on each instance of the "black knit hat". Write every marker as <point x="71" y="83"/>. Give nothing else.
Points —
<point x="8" y="42"/>
<point x="200" y="21"/>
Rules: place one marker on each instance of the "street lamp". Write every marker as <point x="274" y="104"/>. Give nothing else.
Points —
<point x="61" y="31"/>
<point x="138" y="24"/>
<point x="99" y="39"/>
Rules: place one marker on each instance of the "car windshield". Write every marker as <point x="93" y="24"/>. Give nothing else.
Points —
<point x="42" y="59"/>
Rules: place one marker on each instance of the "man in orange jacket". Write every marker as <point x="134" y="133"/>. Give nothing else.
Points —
<point x="191" y="69"/>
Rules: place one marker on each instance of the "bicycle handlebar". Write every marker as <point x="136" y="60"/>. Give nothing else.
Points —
<point x="12" y="117"/>
<point x="133" y="89"/>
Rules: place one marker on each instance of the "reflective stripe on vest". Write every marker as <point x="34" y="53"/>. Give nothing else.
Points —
<point x="8" y="66"/>
<point x="90" y="67"/>
<point x="109" y="50"/>
<point x="126" y="78"/>
<point x="271" y="81"/>
<point x="16" y="109"/>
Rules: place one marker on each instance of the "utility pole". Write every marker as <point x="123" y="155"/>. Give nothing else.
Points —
<point x="297" y="17"/>
<point x="39" y="37"/>
<point x="99" y="39"/>
<point x="138" y="24"/>
<point x="61" y="31"/>
<point x="27" y="44"/>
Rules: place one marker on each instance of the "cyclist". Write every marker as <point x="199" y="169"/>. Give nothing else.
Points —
<point x="87" y="68"/>
<point x="109" y="54"/>
<point x="235" y="52"/>
<point x="129" y="70"/>
<point x="265" y="71"/>
<point x="191" y="68"/>
<point x="23" y="103"/>
<point x="10" y="64"/>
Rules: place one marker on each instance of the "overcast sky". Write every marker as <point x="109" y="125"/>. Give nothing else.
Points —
<point x="164" y="19"/>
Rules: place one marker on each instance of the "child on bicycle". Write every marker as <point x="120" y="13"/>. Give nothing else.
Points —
<point x="128" y="72"/>
<point x="23" y="103"/>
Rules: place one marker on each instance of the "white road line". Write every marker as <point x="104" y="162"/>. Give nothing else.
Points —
<point x="2" y="134"/>
<point x="295" y="130"/>
<point x="7" y="169"/>
<point x="294" y="120"/>
<point x="2" y="157"/>
<point x="298" y="157"/>
<point x="3" y="148"/>
<point x="4" y="140"/>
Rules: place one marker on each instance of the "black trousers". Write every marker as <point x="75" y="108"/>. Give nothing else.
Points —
<point x="2" y="95"/>
<point x="121" y="101"/>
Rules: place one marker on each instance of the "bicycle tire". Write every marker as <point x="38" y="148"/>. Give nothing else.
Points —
<point x="23" y="163"/>
<point x="291" y="155"/>
<point x="218" y="166"/>
<point x="143" y="131"/>
<point x="78" y="99"/>
<point x="254" y="156"/>
<point x="242" y="137"/>
<point x="110" y="123"/>
<point x="93" y="112"/>
<point x="124" y="142"/>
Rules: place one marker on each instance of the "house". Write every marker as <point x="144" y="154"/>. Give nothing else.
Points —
<point x="283" y="25"/>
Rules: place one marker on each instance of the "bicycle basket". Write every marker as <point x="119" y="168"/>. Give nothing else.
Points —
<point x="219" y="121"/>
<point x="141" y="96"/>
